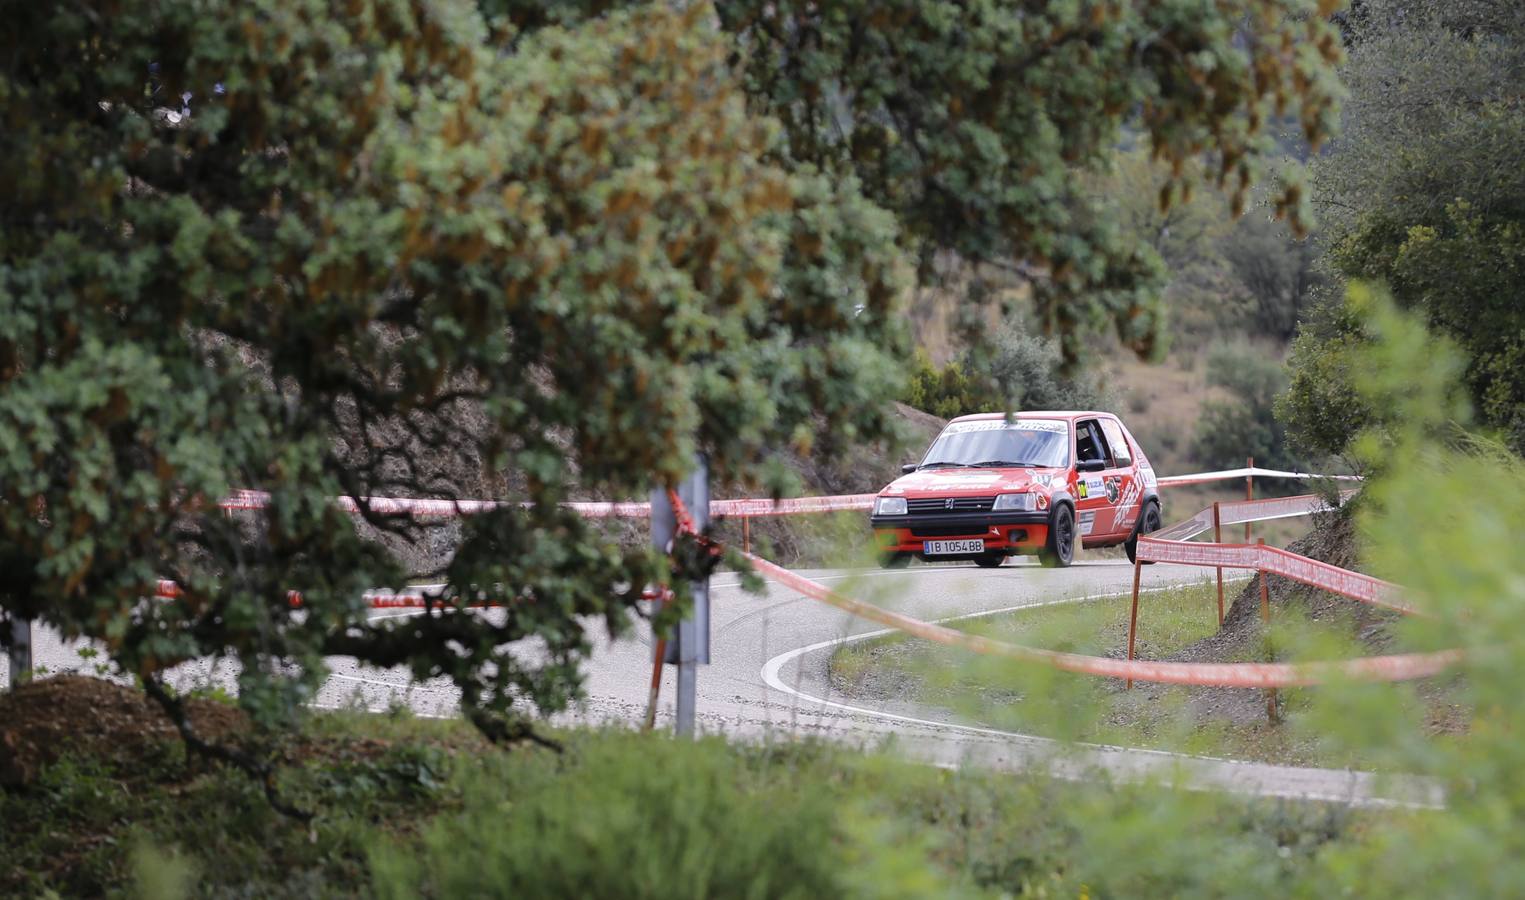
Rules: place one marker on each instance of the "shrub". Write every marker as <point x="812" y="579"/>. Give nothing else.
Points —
<point x="632" y="818"/>
<point x="1016" y="370"/>
<point x="948" y="391"/>
<point x="1321" y="409"/>
<point x="1228" y="431"/>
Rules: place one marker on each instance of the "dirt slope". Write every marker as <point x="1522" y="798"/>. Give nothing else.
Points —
<point x="42" y="720"/>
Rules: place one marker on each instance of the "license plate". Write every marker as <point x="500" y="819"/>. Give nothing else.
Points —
<point x="949" y="548"/>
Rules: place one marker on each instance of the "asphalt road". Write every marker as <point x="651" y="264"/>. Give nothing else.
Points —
<point x="768" y="678"/>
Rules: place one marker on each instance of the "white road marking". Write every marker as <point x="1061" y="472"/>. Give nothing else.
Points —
<point x="1425" y="788"/>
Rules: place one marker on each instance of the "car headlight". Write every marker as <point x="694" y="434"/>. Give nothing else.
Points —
<point x="1015" y="503"/>
<point x="890" y="506"/>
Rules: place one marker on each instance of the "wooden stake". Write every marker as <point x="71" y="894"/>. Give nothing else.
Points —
<point x="656" y="685"/>
<point x="1133" y="617"/>
<point x="1273" y="713"/>
<point x="1218" y="539"/>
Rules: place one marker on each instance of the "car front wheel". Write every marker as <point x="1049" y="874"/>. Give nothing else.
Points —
<point x="1148" y="522"/>
<point x="1059" y="551"/>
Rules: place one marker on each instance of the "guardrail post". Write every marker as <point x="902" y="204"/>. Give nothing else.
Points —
<point x="1273" y="712"/>
<point x="1249" y="493"/>
<point x="20" y="650"/>
<point x="746" y="534"/>
<point x="1133" y="616"/>
<point x="1218" y="539"/>
<point x="691" y="646"/>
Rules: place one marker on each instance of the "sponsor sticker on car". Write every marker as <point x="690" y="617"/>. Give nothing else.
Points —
<point x="1055" y="426"/>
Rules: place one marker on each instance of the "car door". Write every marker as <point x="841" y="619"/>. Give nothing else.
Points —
<point x="1125" y="472"/>
<point x="1096" y="493"/>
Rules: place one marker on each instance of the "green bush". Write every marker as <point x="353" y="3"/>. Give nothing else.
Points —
<point x="1425" y="193"/>
<point x="1275" y="270"/>
<point x="948" y="391"/>
<point x="1017" y="370"/>
<point x="1228" y="431"/>
<point x="627" y="817"/>
<point x="1321" y="409"/>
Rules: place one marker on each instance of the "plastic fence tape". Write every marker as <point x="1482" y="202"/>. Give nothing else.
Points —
<point x="1250" y="675"/>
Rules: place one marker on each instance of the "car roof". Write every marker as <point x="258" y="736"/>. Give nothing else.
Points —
<point x="1035" y="414"/>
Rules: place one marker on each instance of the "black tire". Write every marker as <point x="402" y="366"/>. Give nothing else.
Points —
<point x="990" y="560"/>
<point x="1059" y="550"/>
<point x="894" y="560"/>
<point x="1148" y="521"/>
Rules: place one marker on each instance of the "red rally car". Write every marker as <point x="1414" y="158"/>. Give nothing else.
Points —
<point x="993" y="486"/>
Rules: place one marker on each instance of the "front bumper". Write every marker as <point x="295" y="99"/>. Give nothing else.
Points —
<point x="1002" y="531"/>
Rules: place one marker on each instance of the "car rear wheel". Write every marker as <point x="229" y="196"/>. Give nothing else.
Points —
<point x="894" y="560"/>
<point x="1059" y="551"/>
<point x="1148" y="521"/>
<point x="990" y="560"/>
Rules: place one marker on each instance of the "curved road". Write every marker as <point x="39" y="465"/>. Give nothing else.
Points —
<point x="768" y="677"/>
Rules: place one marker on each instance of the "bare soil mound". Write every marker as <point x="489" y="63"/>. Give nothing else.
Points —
<point x="1332" y="540"/>
<point x="42" y="720"/>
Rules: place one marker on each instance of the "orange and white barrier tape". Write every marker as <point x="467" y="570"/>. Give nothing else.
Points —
<point x="424" y="507"/>
<point x="1167" y="545"/>
<point x="1248" y="675"/>
<point x="419" y="597"/>
<point x="1354" y="585"/>
<point x="428" y="508"/>
<point x="1248" y="472"/>
<point x="1172" y="545"/>
<point x="1237" y="512"/>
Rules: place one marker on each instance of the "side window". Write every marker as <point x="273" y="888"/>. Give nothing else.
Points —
<point x="1089" y="443"/>
<point x="1120" y="450"/>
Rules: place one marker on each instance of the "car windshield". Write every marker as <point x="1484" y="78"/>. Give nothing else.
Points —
<point x="1040" y="443"/>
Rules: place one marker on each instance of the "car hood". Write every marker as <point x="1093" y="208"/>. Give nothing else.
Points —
<point x="969" y="481"/>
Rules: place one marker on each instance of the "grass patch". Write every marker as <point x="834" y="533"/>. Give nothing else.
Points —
<point x="998" y="693"/>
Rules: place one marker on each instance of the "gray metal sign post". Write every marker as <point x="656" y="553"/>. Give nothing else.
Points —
<point x="20" y="651"/>
<point x="691" y="646"/>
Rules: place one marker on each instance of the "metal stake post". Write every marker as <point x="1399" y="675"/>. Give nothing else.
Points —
<point x="20" y="651"/>
<point x="691" y="646"/>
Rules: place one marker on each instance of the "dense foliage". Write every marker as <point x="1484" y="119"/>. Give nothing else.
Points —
<point x="1425" y="191"/>
<point x="412" y="249"/>
<point x="381" y="258"/>
<point x="1244" y="425"/>
<point x="1224" y="274"/>
<point x="1015" y="370"/>
<point x="980" y="124"/>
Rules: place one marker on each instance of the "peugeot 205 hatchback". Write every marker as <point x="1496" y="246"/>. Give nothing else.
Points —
<point x="993" y="486"/>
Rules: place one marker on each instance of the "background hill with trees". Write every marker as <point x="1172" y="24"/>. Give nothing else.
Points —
<point x="534" y="251"/>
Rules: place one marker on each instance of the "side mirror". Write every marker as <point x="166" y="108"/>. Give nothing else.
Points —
<point x="1090" y="465"/>
<point x="908" y="468"/>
